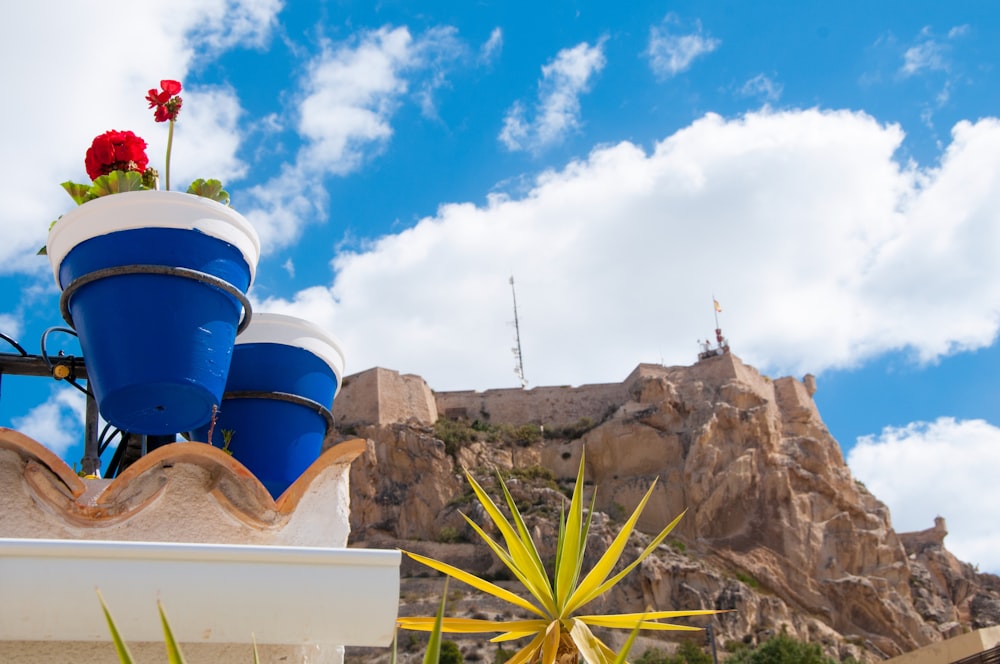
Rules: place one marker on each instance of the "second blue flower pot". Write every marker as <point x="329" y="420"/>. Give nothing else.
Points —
<point x="275" y="412"/>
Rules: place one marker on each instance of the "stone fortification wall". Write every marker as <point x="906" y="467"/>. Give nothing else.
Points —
<point x="384" y="396"/>
<point x="798" y="410"/>
<point x="921" y="539"/>
<point x="357" y="400"/>
<point x="549" y="406"/>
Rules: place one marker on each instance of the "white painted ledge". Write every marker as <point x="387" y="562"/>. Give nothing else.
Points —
<point x="211" y="593"/>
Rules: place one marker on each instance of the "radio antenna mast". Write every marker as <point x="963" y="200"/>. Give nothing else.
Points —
<point x="519" y="366"/>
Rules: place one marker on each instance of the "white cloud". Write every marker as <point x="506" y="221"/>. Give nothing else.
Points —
<point x="58" y="422"/>
<point x="927" y="55"/>
<point x="351" y="92"/>
<point x="762" y="87"/>
<point x="223" y="24"/>
<point x="436" y="52"/>
<point x="206" y="138"/>
<point x="942" y="468"/>
<point x="491" y="48"/>
<point x="557" y="112"/>
<point x="671" y="52"/>
<point x="12" y="326"/>
<point x="823" y="249"/>
<point x="959" y="31"/>
<point x="75" y="89"/>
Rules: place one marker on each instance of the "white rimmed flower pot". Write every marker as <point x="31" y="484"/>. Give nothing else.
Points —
<point x="154" y="283"/>
<point x="276" y="409"/>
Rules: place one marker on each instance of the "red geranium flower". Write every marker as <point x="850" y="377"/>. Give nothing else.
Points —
<point x="165" y="101"/>
<point x="116" y="151"/>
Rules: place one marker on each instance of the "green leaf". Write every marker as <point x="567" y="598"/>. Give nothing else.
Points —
<point x="124" y="656"/>
<point x="78" y="192"/>
<point x="174" y="655"/>
<point x="569" y="560"/>
<point x="622" y="656"/>
<point x="116" y="182"/>
<point x="209" y="189"/>
<point x="433" y="653"/>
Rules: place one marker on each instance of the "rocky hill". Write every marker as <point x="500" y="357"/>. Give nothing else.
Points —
<point x="776" y="529"/>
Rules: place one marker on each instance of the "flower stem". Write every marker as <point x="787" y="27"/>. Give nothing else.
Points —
<point x="170" y="142"/>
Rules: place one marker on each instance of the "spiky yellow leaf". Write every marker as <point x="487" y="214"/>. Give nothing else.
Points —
<point x="587" y="591"/>
<point x="649" y="615"/>
<point x="519" y="545"/>
<point x="522" y="530"/>
<point x="536" y="583"/>
<point x="570" y="558"/>
<point x="550" y="645"/>
<point x="529" y="652"/>
<point x="587" y="644"/>
<point x="514" y="636"/>
<point x="648" y="624"/>
<point x="476" y="582"/>
<point x="524" y="555"/>
<point x="471" y="625"/>
<point x="562" y="595"/>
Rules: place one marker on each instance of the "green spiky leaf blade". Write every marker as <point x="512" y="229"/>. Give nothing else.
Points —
<point x="124" y="656"/>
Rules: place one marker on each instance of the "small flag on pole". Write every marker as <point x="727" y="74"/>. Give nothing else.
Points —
<point x="718" y="307"/>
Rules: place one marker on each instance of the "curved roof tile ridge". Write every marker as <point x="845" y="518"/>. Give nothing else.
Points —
<point x="180" y="492"/>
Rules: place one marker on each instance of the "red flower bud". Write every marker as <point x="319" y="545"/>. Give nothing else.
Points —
<point x="166" y="103"/>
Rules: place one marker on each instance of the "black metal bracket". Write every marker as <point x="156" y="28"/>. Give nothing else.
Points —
<point x="60" y="367"/>
<point x="167" y="270"/>
<point x="314" y="406"/>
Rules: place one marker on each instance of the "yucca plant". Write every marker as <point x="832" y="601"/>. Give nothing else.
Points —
<point x="174" y="654"/>
<point x="557" y="632"/>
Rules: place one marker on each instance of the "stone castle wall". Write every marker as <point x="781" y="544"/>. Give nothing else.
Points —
<point x="548" y="406"/>
<point x="383" y="396"/>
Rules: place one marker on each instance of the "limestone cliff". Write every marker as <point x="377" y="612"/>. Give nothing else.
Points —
<point x="776" y="529"/>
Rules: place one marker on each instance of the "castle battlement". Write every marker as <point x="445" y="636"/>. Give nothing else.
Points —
<point x="382" y="396"/>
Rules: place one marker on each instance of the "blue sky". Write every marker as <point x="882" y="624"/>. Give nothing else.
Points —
<point x="830" y="172"/>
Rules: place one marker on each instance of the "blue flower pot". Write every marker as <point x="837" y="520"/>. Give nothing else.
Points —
<point x="283" y="379"/>
<point x="154" y="284"/>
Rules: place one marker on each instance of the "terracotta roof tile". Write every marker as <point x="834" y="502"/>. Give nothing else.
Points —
<point x="180" y="492"/>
